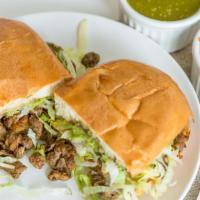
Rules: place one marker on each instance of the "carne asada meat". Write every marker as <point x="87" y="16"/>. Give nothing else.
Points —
<point x="36" y="126"/>
<point x="3" y="132"/>
<point x="58" y="175"/>
<point x="17" y="143"/>
<point x="37" y="160"/>
<point x="60" y="157"/>
<point x="180" y="142"/>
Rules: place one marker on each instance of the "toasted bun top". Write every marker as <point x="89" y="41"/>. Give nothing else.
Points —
<point x="26" y="62"/>
<point x="135" y="109"/>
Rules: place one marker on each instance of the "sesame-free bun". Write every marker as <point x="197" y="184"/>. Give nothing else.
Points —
<point x="27" y="65"/>
<point x="134" y="110"/>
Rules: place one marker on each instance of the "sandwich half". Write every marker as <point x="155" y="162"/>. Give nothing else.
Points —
<point x="129" y="125"/>
<point x="29" y="72"/>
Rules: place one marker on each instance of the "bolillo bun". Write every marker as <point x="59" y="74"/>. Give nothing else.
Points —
<point x="135" y="110"/>
<point x="28" y="68"/>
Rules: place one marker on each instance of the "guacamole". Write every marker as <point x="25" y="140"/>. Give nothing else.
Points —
<point x="166" y="10"/>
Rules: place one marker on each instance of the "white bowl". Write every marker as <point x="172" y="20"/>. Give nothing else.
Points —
<point x="172" y="35"/>
<point x="195" y="74"/>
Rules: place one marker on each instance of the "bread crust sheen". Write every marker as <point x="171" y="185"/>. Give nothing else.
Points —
<point x="26" y="62"/>
<point x="137" y="110"/>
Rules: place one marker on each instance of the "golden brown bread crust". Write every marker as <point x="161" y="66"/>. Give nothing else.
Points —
<point x="26" y="62"/>
<point x="135" y="109"/>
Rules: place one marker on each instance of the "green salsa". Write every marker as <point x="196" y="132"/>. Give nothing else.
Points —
<point x="166" y="10"/>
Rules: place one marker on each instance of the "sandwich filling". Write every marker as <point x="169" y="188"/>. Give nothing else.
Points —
<point x="71" y="150"/>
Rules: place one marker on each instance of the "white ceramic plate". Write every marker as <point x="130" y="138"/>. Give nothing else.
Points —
<point x="111" y="40"/>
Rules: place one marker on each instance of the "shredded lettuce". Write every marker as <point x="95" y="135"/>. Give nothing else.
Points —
<point x="74" y="56"/>
<point x="127" y="191"/>
<point x="49" y="106"/>
<point x="158" y="176"/>
<point x="39" y="148"/>
<point x="60" y="124"/>
<point x="31" y="134"/>
<point x="12" y="112"/>
<point x="6" y="162"/>
<point x="71" y="57"/>
<point x="74" y="59"/>
<point x="7" y="159"/>
<point x="45" y="119"/>
<point x="99" y="189"/>
<point x="24" y="109"/>
<point x="82" y="179"/>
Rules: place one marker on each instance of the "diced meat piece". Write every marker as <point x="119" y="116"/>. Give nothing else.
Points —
<point x="3" y="132"/>
<point x="58" y="175"/>
<point x="110" y="195"/>
<point x="37" y="160"/>
<point x="64" y="147"/>
<point x="18" y="143"/>
<point x="19" y="152"/>
<point x="9" y="121"/>
<point x="52" y="158"/>
<point x="180" y="142"/>
<point x="26" y="142"/>
<point x="90" y="59"/>
<point x="61" y="164"/>
<point x="17" y="171"/>
<point x="60" y="157"/>
<point x="12" y="141"/>
<point x="97" y="176"/>
<point x="21" y="125"/>
<point x="2" y="145"/>
<point x="50" y="144"/>
<point x="36" y="126"/>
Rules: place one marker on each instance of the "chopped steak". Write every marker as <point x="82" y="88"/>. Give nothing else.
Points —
<point x="17" y="171"/>
<point x="18" y="143"/>
<point x="19" y="152"/>
<point x="52" y="158"/>
<point x="36" y="126"/>
<point x="12" y="141"/>
<point x="58" y="175"/>
<point x="110" y="195"/>
<point x="60" y="157"/>
<point x="37" y="160"/>
<point x="2" y="145"/>
<point x="180" y="142"/>
<point x="9" y="121"/>
<point x="26" y="142"/>
<point x="51" y="141"/>
<point x="97" y="176"/>
<point x="21" y="125"/>
<point x="3" y="132"/>
<point x="90" y="59"/>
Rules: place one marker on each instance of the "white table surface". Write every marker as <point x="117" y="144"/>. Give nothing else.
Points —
<point x="106" y="8"/>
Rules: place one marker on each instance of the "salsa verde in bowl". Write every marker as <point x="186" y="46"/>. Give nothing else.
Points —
<point x="167" y="10"/>
<point x="173" y="31"/>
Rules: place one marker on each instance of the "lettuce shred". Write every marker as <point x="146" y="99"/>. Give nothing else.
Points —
<point x="154" y="180"/>
<point x="39" y="148"/>
<point x="71" y="57"/>
<point x="24" y="109"/>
